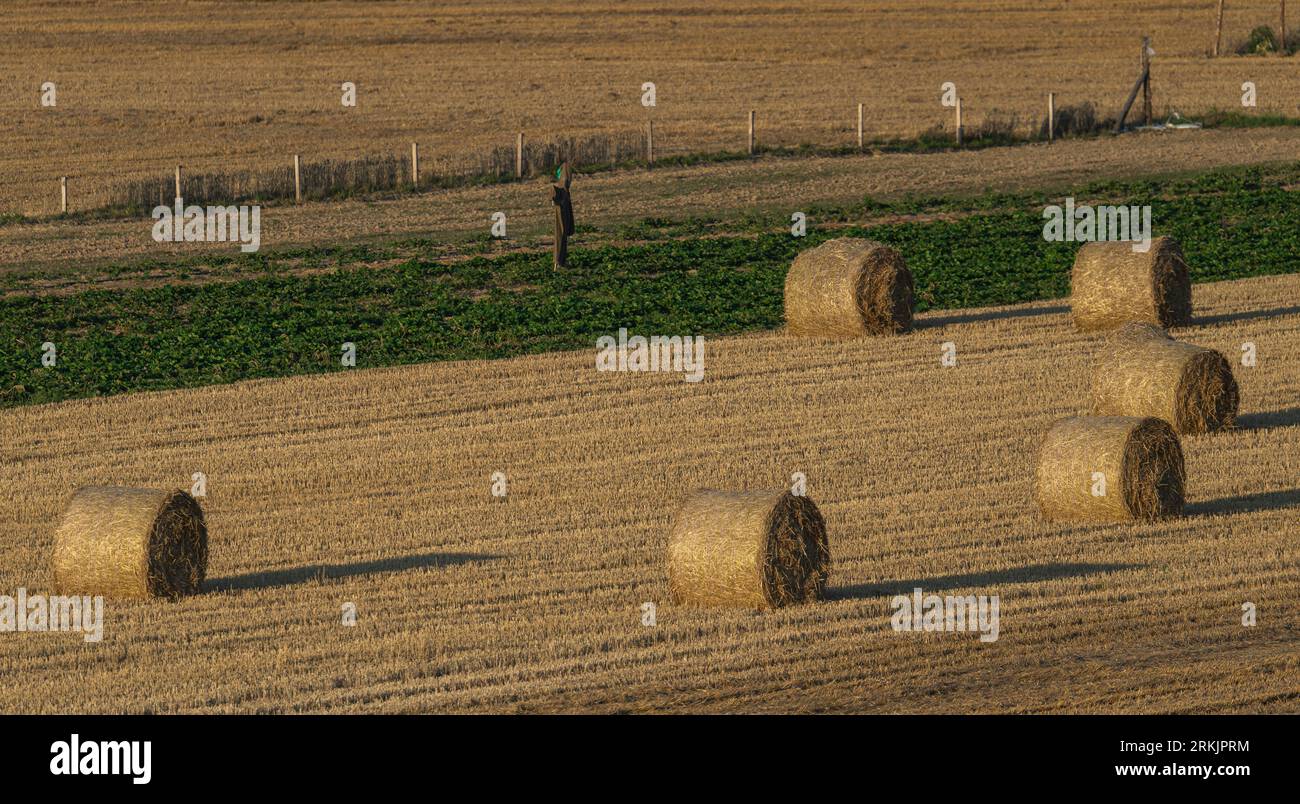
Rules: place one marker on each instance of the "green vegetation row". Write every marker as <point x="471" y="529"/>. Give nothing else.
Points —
<point x="285" y="260"/>
<point x="1231" y="224"/>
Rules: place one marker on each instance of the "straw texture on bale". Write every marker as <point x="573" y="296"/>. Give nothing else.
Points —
<point x="1141" y="371"/>
<point x="1139" y="458"/>
<point x="846" y="288"/>
<point x="1112" y="285"/>
<point x="127" y="542"/>
<point x="753" y="549"/>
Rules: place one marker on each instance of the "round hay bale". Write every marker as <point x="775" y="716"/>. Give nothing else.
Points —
<point x="847" y="288"/>
<point x="125" y="542"/>
<point x="751" y="549"/>
<point x="1111" y="285"/>
<point x="1141" y="371"/>
<point x="1139" y="459"/>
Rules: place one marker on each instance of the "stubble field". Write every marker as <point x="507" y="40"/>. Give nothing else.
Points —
<point x="222" y="87"/>
<point x="372" y="487"/>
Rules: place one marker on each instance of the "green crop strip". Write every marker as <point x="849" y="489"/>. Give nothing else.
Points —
<point x="1231" y="225"/>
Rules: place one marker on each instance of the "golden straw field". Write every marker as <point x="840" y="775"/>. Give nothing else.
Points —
<point x="372" y="487"/>
<point x="143" y="86"/>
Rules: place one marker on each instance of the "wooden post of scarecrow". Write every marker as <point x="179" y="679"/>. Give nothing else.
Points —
<point x="563" y="204"/>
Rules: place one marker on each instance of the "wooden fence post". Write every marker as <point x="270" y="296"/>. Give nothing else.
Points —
<point x="1051" y="116"/>
<point x="650" y="143"/>
<point x="63" y="195"/>
<point x="1146" y="83"/>
<point x="1218" y="28"/>
<point x="860" y="142"/>
<point x="1132" y="96"/>
<point x="297" y="180"/>
<point x="961" y="134"/>
<point x="751" y="132"/>
<point x="178" y="182"/>
<point x="519" y="156"/>
<point x="1281" y="46"/>
<point x="415" y="164"/>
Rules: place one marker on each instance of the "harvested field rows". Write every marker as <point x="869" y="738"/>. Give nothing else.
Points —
<point x="373" y="487"/>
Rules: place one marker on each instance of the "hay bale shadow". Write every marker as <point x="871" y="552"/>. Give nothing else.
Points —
<point x="299" y="575"/>
<point x="1030" y="574"/>
<point x="1288" y="417"/>
<point x="987" y="315"/>
<point x="1247" y="315"/>
<point x="1246" y="503"/>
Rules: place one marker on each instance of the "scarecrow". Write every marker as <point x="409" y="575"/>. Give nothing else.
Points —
<point x="563" y="213"/>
